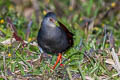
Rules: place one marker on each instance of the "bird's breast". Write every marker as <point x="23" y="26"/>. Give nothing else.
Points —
<point x="52" y="33"/>
<point x="53" y="40"/>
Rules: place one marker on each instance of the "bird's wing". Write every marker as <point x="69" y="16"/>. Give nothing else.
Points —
<point x="69" y="34"/>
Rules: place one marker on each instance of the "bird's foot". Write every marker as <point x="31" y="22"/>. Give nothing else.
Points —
<point x="61" y="62"/>
<point x="61" y="65"/>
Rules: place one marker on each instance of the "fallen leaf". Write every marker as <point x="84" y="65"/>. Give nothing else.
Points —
<point x="8" y="41"/>
<point x="110" y="61"/>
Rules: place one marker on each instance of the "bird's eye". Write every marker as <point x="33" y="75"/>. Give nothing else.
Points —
<point x="51" y="19"/>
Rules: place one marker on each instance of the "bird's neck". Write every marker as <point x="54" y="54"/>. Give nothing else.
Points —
<point x="48" y="28"/>
<point x="51" y="31"/>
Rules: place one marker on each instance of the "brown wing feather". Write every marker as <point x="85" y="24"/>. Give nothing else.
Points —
<point x="69" y="34"/>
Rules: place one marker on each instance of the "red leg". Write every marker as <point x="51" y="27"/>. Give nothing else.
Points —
<point x="61" y="62"/>
<point x="58" y="59"/>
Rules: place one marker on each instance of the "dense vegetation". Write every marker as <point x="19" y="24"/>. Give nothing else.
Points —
<point x="94" y="55"/>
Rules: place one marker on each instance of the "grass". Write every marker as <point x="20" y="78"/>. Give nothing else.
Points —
<point x="95" y="26"/>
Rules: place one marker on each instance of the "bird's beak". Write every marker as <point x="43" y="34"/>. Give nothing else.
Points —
<point x="56" y="23"/>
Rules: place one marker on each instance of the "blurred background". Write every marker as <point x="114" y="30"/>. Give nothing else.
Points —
<point x="73" y="10"/>
<point x="94" y="23"/>
<point x="75" y="13"/>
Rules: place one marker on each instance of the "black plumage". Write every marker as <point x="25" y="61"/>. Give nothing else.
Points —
<point x="51" y="38"/>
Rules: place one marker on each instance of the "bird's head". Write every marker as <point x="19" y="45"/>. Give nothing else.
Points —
<point x="50" y="20"/>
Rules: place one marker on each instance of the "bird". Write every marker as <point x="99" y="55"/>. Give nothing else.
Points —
<point x="53" y="37"/>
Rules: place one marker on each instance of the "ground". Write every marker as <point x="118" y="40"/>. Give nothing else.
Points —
<point x="94" y="55"/>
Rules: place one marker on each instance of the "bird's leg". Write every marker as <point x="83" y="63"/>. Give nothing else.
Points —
<point x="58" y="59"/>
<point x="61" y="62"/>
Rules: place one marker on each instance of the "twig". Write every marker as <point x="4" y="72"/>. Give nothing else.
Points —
<point x="114" y="75"/>
<point x="111" y="40"/>
<point x="116" y="60"/>
<point x="104" y="39"/>
<point x="80" y="71"/>
<point x="15" y="34"/>
<point x="13" y="28"/>
<point x="72" y="3"/>
<point x="69" y="74"/>
<point x="28" y="29"/>
<point x="36" y="7"/>
<point x="4" y="64"/>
